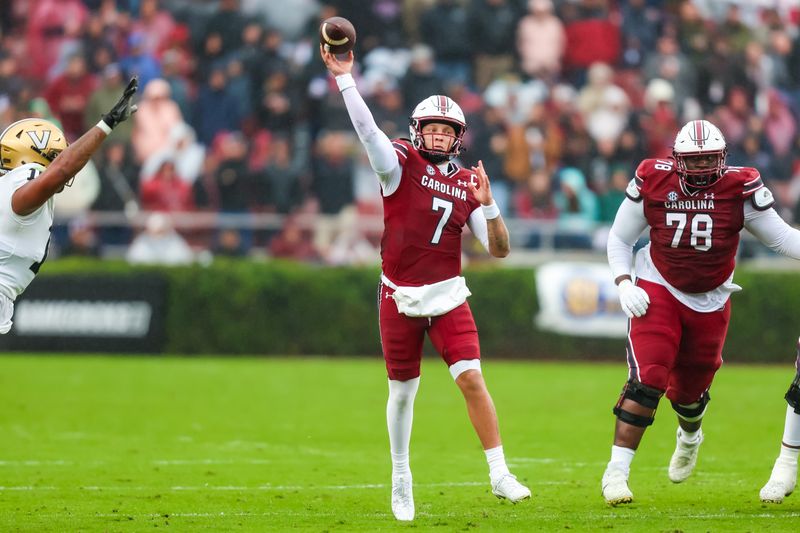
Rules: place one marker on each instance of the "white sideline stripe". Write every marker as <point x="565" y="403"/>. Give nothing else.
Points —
<point x="550" y="460"/>
<point x="189" y="488"/>
<point x="160" y="462"/>
<point x="32" y="462"/>
<point x="211" y="461"/>
<point x="320" y="514"/>
<point x="241" y="488"/>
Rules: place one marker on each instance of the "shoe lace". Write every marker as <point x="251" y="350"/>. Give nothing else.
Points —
<point x="400" y="490"/>
<point x="507" y="481"/>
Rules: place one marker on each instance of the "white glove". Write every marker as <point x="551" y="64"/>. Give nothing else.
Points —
<point x="634" y="300"/>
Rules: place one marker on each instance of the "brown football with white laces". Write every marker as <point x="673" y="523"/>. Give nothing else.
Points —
<point x="337" y="35"/>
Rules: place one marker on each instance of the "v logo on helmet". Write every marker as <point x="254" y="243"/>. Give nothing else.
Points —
<point x="39" y="143"/>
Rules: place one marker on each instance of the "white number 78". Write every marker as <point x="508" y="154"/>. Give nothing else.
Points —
<point x="702" y="223"/>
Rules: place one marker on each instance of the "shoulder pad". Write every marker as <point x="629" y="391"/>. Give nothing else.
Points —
<point x="762" y="198"/>
<point x="749" y="177"/>
<point x="633" y="190"/>
<point x="401" y="149"/>
<point x="650" y="167"/>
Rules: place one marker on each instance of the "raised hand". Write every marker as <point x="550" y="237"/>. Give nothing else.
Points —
<point x="481" y="189"/>
<point x="337" y="66"/>
<point x="123" y="109"/>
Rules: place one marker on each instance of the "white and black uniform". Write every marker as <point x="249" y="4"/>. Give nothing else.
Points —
<point x="23" y="240"/>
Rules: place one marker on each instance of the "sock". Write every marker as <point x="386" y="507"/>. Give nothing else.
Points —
<point x="791" y="428"/>
<point x="399" y="418"/>
<point x="621" y="458"/>
<point x="400" y="463"/>
<point x="689" y="437"/>
<point x="788" y="455"/>
<point x="497" y="462"/>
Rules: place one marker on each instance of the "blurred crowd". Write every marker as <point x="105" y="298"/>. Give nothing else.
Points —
<point x="237" y="115"/>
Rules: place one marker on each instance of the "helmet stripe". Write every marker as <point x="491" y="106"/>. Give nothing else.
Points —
<point x="699" y="137"/>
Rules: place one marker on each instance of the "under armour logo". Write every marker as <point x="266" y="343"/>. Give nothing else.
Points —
<point x="388" y="295"/>
<point x="709" y="196"/>
<point x="462" y="183"/>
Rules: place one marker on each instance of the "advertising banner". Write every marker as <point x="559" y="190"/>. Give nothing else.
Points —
<point x="89" y="313"/>
<point x="579" y="299"/>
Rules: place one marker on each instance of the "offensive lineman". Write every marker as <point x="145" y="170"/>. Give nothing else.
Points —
<point x="679" y="305"/>
<point x="36" y="163"/>
<point x="427" y="200"/>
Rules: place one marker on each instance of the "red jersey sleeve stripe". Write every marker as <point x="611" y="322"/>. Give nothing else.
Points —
<point x="752" y="186"/>
<point x="402" y="151"/>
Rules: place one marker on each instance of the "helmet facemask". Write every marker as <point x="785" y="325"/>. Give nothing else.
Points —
<point x="437" y="109"/>
<point x="704" y="176"/>
<point x="700" y="151"/>
<point x="431" y="154"/>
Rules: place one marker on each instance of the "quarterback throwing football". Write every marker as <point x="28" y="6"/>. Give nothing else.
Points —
<point x="35" y="164"/>
<point x="427" y="201"/>
<point x="679" y="307"/>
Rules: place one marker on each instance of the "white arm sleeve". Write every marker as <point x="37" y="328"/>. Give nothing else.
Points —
<point x="380" y="151"/>
<point x="629" y="223"/>
<point x="477" y="225"/>
<point x="769" y="228"/>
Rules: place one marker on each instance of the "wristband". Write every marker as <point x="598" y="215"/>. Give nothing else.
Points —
<point x="345" y="81"/>
<point x="105" y="127"/>
<point x="491" y="211"/>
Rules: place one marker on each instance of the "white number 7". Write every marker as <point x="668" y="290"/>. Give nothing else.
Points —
<point x="447" y="207"/>
<point x="680" y="219"/>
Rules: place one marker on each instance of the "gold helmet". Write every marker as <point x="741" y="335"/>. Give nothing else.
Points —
<point x="31" y="140"/>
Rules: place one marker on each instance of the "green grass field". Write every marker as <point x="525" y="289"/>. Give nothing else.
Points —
<point x="132" y="444"/>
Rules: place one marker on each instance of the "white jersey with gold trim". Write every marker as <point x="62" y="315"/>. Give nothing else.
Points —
<point x="23" y="239"/>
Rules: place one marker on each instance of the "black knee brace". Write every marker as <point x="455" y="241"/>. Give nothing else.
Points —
<point x="644" y="396"/>
<point x="793" y="395"/>
<point x="693" y="414"/>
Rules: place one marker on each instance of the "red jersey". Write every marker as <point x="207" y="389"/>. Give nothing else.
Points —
<point x="423" y="220"/>
<point x="694" y="235"/>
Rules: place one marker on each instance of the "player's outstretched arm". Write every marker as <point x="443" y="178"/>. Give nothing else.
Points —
<point x="381" y="153"/>
<point x="499" y="245"/>
<point x="36" y="192"/>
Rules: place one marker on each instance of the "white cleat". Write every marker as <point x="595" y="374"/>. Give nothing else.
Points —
<point x="402" y="498"/>
<point x="781" y="483"/>
<point x="507" y="487"/>
<point x="615" y="487"/>
<point x="685" y="458"/>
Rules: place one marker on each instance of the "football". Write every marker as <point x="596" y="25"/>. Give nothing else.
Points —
<point x="337" y="35"/>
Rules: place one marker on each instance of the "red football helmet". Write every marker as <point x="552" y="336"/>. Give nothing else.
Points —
<point x="441" y="110"/>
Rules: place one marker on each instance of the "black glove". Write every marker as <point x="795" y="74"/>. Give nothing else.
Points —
<point x="123" y="109"/>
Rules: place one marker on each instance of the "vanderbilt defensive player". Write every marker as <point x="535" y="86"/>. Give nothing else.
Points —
<point x="36" y="163"/>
